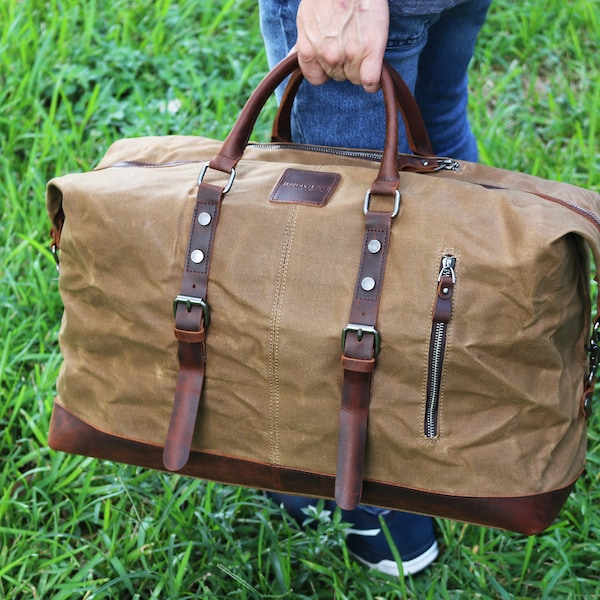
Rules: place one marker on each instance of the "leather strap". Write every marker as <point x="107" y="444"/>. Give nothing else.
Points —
<point x="361" y="343"/>
<point x="233" y="147"/>
<point x="416" y="132"/>
<point x="191" y="320"/>
<point x="360" y="339"/>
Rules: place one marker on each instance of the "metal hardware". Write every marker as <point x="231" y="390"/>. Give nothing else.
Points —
<point x="372" y="155"/>
<point x="204" y="219"/>
<point x="446" y="164"/>
<point x="396" y="210"/>
<point x="197" y="256"/>
<point x="361" y="330"/>
<point x="438" y="343"/>
<point x="190" y="301"/>
<point x="447" y="269"/>
<point x="374" y="246"/>
<point x="367" y="284"/>
<point x="437" y="348"/>
<point x="227" y="185"/>
<point x="594" y="351"/>
<point x="587" y="406"/>
<point x="54" y="251"/>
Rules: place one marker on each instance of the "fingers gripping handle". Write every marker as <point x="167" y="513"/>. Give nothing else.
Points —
<point x="416" y="132"/>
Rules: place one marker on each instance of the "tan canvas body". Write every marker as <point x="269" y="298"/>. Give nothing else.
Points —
<point x="281" y="283"/>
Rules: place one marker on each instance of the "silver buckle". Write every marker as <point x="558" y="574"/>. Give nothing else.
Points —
<point x="361" y="330"/>
<point x="396" y="203"/>
<point x="190" y="301"/>
<point x="227" y="185"/>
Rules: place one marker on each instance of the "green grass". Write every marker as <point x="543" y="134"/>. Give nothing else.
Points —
<point x="76" y="75"/>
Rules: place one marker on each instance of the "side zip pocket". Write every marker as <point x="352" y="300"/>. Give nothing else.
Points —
<point x="442" y="314"/>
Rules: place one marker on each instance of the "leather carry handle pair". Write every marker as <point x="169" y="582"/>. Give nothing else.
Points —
<point x="395" y="96"/>
<point x="416" y="132"/>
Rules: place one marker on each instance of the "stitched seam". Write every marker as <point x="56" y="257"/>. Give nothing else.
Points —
<point x="274" y="337"/>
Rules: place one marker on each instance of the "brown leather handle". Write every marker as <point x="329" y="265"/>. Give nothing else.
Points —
<point x="235" y="143"/>
<point x="416" y="132"/>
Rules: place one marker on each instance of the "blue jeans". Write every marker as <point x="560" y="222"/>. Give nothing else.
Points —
<point x="431" y="52"/>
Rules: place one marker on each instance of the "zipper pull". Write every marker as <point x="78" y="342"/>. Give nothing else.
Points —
<point x="446" y="280"/>
<point x="447" y="164"/>
<point x="447" y="268"/>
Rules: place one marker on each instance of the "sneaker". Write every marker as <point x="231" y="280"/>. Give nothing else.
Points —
<point x="412" y="534"/>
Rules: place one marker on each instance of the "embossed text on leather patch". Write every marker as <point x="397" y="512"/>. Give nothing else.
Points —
<point x="298" y="186"/>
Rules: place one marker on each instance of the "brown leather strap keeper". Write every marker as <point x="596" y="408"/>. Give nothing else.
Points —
<point x="191" y="337"/>
<point x="359" y="365"/>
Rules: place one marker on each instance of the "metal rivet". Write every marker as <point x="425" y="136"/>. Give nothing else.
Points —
<point x="367" y="284"/>
<point x="374" y="246"/>
<point x="204" y="219"/>
<point x="197" y="256"/>
<point x="445" y="291"/>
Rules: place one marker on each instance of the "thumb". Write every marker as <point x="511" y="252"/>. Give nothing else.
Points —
<point x="370" y="73"/>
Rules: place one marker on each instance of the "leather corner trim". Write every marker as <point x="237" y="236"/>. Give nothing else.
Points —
<point x="528" y="515"/>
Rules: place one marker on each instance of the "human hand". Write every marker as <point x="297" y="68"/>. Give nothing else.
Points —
<point x="342" y="39"/>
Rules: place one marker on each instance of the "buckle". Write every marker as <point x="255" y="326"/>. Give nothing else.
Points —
<point x="190" y="301"/>
<point x="361" y="330"/>
<point x="396" y="210"/>
<point x="227" y="185"/>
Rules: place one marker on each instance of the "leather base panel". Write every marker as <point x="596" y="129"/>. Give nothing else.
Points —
<point x="528" y="515"/>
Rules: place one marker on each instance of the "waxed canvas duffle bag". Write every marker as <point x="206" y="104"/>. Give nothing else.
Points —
<point x="407" y="331"/>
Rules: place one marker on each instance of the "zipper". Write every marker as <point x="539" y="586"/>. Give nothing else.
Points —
<point x="146" y="165"/>
<point x="435" y="164"/>
<point x="442" y="314"/>
<point x="346" y="152"/>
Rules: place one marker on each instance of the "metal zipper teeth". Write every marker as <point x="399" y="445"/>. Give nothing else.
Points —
<point x="372" y="155"/>
<point x="144" y="165"/>
<point x="448" y="164"/>
<point x="439" y="332"/>
<point x="584" y="212"/>
<point x="438" y="341"/>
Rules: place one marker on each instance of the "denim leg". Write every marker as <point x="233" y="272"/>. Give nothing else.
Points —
<point x="341" y="113"/>
<point x="431" y="52"/>
<point x="278" y="27"/>
<point x="441" y="89"/>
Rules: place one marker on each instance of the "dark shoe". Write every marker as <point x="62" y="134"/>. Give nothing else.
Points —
<point x="413" y="535"/>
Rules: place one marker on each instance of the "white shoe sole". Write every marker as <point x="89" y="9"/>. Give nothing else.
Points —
<point x="409" y="567"/>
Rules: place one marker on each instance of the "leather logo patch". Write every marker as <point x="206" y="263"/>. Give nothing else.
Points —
<point x="313" y="188"/>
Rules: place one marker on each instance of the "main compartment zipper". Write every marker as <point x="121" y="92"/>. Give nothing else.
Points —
<point x="431" y="164"/>
<point x="442" y="314"/>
